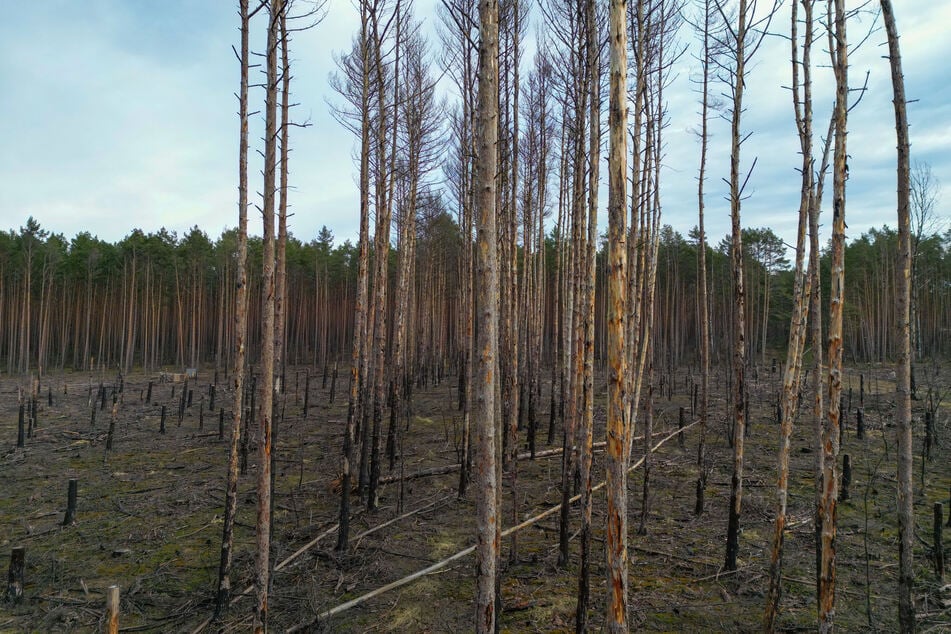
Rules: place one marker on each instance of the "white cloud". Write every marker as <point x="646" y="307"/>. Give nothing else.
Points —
<point x="119" y="115"/>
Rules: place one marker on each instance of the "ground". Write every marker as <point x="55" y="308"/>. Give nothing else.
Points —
<point x="149" y="515"/>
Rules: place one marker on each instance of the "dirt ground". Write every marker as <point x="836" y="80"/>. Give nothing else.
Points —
<point x="149" y="516"/>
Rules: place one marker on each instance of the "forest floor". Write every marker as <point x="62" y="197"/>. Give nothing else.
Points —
<point x="149" y="516"/>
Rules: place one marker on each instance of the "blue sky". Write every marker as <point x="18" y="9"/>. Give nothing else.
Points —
<point x="120" y="114"/>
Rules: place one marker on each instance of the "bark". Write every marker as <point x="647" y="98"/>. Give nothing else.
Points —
<point x="617" y="418"/>
<point x="802" y="105"/>
<point x="906" y="524"/>
<point x="263" y="533"/>
<point x="483" y="415"/>
<point x="702" y="266"/>
<point x="587" y="437"/>
<point x="738" y="402"/>
<point x="280" y="275"/>
<point x="358" y="348"/>
<point x="830" y="431"/>
<point x="384" y="210"/>
<point x="240" y="326"/>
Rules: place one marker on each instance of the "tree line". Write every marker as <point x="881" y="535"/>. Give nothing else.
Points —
<point x="159" y="300"/>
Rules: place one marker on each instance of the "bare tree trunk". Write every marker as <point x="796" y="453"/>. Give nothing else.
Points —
<point x="830" y="432"/>
<point x="384" y="210"/>
<point x="359" y="347"/>
<point x="702" y="266"/>
<point x="263" y="534"/>
<point x="618" y="422"/>
<point x="127" y="360"/>
<point x="797" y="326"/>
<point x="815" y="335"/>
<point x="241" y="328"/>
<point x="488" y="529"/>
<point x="906" y="518"/>
<point x="280" y="276"/>
<point x="739" y="323"/>
<point x="587" y="422"/>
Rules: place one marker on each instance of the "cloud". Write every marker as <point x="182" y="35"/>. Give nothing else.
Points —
<point x="117" y="115"/>
<point x="774" y="184"/>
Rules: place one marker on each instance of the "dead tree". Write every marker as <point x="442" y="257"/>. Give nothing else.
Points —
<point x="618" y="423"/>
<point x="263" y="524"/>
<point x="386" y="135"/>
<point x="240" y="325"/>
<point x="802" y="107"/>
<point x="355" y="85"/>
<point x="457" y="29"/>
<point x="906" y="517"/>
<point x="830" y="432"/>
<point x="420" y="120"/>
<point x="742" y="42"/>
<point x="703" y="295"/>
<point x="488" y="534"/>
<point x="593" y="76"/>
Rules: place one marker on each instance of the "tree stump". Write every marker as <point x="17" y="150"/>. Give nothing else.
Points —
<point x="112" y="610"/>
<point x="71" y="495"/>
<point x="938" y="546"/>
<point x="21" y="429"/>
<point x="112" y="430"/>
<point x="846" y="477"/>
<point x="15" y="574"/>
<point x="680" y="426"/>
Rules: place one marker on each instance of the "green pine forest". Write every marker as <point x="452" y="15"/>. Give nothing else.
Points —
<point x="160" y="300"/>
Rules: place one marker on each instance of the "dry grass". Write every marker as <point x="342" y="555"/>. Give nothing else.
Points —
<point x="149" y="521"/>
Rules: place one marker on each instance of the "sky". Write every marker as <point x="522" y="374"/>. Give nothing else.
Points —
<point x="121" y="114"/>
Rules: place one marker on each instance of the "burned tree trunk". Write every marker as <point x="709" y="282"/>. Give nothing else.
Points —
<point x="618" y="426"/>
<point x="359" y="347"/>
<point x="487" y="276"/>
<point x="830" y="432"/>
<point x="906" y="518"/>
<point x="738" y="402"/>
<point x="240" y="325"/>
<point x="263" y="532"/>
<point x="802" y="106"/>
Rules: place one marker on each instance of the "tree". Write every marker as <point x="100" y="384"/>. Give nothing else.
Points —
<point x="924" y="192"/>
<point x="487" y="276"/>
<point x="280" y="274"/>
<point x="593" y="71"/>
<point x="240" y="325"/>
<point x="31" y="237"/>
<point x="742" y="43"/>
<point x="459" y="24"/>
<point x="536" y="153"/>
<point x="355" y="85"/>
<point x="263" y="525"/>
<point x="802" y="108"/>
<point x="738" y="398"/>
<point x="706" y="61"/>
<point x="906" y="517"/>
<point x="830" y="432"/>
<point x="618" y="423"/>
<point x="421" y="121"/>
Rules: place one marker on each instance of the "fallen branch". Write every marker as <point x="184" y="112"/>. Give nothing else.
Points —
<point x="526" y="455"/>
<point x="300" y="551"/>
<point x="462" y="553"/>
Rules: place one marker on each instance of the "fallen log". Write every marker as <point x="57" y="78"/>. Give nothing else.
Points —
<point x="466" y="551"/>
